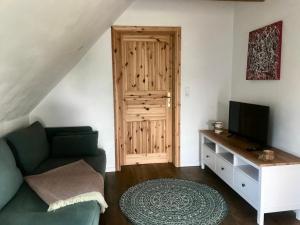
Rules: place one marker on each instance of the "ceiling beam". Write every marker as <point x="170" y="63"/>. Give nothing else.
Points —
<point x="242" y="0"/>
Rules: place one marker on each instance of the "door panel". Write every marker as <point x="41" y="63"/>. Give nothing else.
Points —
<point x="147" y="109"/>
<point x="146" y="75"/>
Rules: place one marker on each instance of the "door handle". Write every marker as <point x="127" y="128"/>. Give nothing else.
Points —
<point x="169" y="99"/>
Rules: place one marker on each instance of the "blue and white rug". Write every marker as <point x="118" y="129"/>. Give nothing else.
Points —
<point x="173" y="202"/>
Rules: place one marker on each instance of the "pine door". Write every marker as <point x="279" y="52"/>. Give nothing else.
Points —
<point x="147" y="66"/>
<point x="144" y="63"/>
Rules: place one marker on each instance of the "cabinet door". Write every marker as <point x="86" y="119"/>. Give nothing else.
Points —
<point x="224" y="171"/>
<point x="246" y="187"/>
<point x="209" y="158"/>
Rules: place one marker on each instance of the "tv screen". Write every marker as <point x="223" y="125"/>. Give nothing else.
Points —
<point x="249" y="121"/>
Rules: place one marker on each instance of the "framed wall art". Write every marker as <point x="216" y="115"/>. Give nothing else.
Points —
<point x="264" y="53"/>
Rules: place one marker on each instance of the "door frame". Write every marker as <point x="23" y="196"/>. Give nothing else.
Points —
<point x="175" y="32"/>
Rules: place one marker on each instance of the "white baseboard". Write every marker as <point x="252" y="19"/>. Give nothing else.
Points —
<point x="110" y="169"/>
<point x="113" y="168"/>
<point x="190" y="164"/>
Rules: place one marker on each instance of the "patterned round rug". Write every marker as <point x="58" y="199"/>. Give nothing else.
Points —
<point x="173" y="202"/>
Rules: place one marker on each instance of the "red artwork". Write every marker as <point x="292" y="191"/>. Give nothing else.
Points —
<point x="264" y="53"/>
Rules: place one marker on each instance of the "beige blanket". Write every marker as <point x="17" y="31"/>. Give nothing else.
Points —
<point x="69" y="184"/>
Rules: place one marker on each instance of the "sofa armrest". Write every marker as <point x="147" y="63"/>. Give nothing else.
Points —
<point x="98" y="162"/>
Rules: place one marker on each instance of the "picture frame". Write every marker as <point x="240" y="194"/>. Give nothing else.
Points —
<point x="264" y="53"/>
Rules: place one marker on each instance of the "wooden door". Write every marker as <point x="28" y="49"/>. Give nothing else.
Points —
<point x="146" y="64"/>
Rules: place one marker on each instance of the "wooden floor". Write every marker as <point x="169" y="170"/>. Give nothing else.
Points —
<point x="241" y="213"/>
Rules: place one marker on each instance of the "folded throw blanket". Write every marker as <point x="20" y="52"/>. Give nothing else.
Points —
<point x="69" y="184"/>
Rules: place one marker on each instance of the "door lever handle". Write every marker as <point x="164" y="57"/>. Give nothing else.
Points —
<point x="169" y="99"/>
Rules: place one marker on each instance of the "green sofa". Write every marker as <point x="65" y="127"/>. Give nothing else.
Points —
<point x="35" y="150"/>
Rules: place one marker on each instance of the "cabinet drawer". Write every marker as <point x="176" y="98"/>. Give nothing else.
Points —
<point x="224" y="171"/>
<point x="246" y="187"/>
<point x="209" y="158"/>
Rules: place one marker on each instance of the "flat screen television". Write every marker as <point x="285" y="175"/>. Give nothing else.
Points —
<point x="249" y="121"/>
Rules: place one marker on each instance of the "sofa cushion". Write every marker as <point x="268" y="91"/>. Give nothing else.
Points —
<point x="30" y="146"/>
<point x="26" y="208"/>
<point x="10" y="176"/>
<point x="74" y="144"/>
<point x="98" y="162"/>
<point x="86" y="213"/>
<point x="25" y="200"/>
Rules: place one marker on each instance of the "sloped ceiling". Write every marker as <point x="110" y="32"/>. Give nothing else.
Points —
<point x="41" y="41"/>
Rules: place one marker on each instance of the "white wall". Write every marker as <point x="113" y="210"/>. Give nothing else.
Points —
<point x="85" y="96"/>
<point x="282" y="96"/>
<point x="12" y="125"/>
<point x="41" y="41"/>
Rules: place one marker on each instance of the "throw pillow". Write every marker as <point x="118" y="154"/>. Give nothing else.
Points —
<point x="75" y="144"/>
<point x="30" y="146"/>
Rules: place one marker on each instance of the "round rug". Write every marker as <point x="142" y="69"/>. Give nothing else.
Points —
<point x="173" y="202"/>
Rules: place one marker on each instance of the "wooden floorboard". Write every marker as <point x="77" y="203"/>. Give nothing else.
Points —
<point x="240" y="212"/>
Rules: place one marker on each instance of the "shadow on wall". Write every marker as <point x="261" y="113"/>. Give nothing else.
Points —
<point x="60" y="114"/>
<point x="223" y="113"/>
<point x="12" y="125"/>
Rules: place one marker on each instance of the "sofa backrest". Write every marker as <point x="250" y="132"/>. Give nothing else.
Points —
<point x="10" y="175"/>
<point x="29" y="146"/>
<point x="54" y="131"/>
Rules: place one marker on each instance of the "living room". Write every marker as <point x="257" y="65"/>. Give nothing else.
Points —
<point x="63" y="64"/>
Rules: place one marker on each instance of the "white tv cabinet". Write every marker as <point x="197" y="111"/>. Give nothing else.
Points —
<point x="268" y="186"/>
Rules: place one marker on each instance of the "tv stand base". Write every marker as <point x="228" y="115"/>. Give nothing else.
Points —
<point x="297" y="214"/>
<point x="260" y="218"/>
<point x="268" y="186"/>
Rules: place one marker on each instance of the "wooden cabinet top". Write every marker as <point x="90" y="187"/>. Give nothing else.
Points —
<point x="239" y="145"/>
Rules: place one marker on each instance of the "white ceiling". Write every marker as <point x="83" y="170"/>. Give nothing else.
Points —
<point x="41" y="41"/>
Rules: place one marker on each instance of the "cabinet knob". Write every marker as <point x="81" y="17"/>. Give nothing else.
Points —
<point x="243" y="185"/>
<point x="222" y="168"/>
<point x="207" y="156"/>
